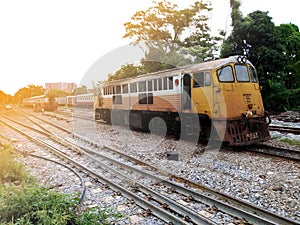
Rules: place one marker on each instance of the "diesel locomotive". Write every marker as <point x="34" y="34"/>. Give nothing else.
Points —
<point x="221" y="97"/>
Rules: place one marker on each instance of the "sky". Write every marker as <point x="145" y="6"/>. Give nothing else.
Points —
<point x="60" y="40"/>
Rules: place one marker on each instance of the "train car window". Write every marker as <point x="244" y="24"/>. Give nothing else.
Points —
<point x="125" y="88"/>
<point x="155" y="85"/>
<point x="160" y="84"/>
<point x="170" y="80"/>
<point x="253" y="75"/>
<point x="133" y="87"/>
<point x="150" y="98"/>
<point x="241" y="72"/>
<point x="118" y="89"/>
<point x="142" y="86"/>
<point x="198" y="79"/>
<point x="143" y="98"/>
<point x="225" y="74"/>
<point x="207" y="78"/>
<point x="150" y="87"/>
<point x="165" y="83"/>
<point x="117" y="99"/>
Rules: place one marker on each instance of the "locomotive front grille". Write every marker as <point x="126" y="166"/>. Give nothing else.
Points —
<point x="238" y="134"/>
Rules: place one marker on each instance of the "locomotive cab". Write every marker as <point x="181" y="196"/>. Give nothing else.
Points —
<point x="237" y="97"/>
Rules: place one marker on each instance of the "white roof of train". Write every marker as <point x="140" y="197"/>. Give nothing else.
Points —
<point x="185" y="69"/>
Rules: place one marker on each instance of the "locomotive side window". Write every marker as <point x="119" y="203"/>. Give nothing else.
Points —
<point x="146" y="98"/>
<point x="155" y="85"/>
<point x="199" y="79"/>
<point x="142" y="86"/>
<point x="118" y="89"/>
<point x="125" y="88"/>
<point x="150" y="88"/>
<point x="225" y="74"/>
<point x="241" y="72"/>
<point x="143" y="98"/>
<point x="165" y="83"/>
<point x="207" y="79"/>
<point x="150" y="98"/>
<point x="253" y="75"/>
<point x="170" y="79"/>
<point x="160" y="84"/>
<point x="133" y="87"/>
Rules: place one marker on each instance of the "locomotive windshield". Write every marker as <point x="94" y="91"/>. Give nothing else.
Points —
<point x="253" y="75"/>
<point x="241" y="72"/>
<point x="225" y="74"/>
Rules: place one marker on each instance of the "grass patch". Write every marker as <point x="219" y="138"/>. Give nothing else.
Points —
<point x="23" y="202"/>
<point x="290" y="141"/>
<point x="11" y="170"/>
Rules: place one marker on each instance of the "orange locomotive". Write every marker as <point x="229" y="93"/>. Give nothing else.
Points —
<point x="221" y="97"/>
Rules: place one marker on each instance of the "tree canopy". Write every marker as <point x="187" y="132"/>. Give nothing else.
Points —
<point x="275" y="51"/>
<point x="170" y="33"/>
<point x="29" y="91"/>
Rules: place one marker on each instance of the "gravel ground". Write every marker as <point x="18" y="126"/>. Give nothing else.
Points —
<point x="270" y="182"/>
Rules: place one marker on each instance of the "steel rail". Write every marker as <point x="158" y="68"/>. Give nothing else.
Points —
<point x="159" y="212"/>
<point x="234" y="206"/>
<point x="294" y="130"/>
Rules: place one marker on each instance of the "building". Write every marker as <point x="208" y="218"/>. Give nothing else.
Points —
<point x="61" y="86"/>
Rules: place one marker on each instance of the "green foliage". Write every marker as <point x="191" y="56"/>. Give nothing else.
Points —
<point x="57" y="93"/>
<point x="291" y="142"/>
<point x="162" y="27"/>
<point x="10" y="169"/>
<point x="29" y="204"/>
<point x="81" y="90"/>
<point x="131" y="70"/>
<point x="126" y="71"/>
<point x="27" y="92"/>
<point x="280" y="98"/>
<point x="5" y="98"/>
<point x="275" y="52"/>
<point x="96" y="216"/>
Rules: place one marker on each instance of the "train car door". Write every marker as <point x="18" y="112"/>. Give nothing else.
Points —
<point x="186" y="93"/>
<point x="202" y="93"/>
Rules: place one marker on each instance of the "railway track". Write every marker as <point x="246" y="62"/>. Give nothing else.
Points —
<point x="287" y="153"/>
<point x="188" y="192"/>
<point x="283" y="152"/>
<point x="284" y="129"/>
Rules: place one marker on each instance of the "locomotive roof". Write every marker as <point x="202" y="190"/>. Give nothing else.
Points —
<point x="185" y="69"/>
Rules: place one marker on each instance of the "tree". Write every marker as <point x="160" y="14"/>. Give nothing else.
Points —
<point x="275" y="53"/>
<point x="289" y="43"/>
<point x="29" y="91"/>
<point x="131" y="70"/>
<point x="81" y="90"/>
<point x="236" y="14"/>
<point x="162" y="28"/>
<point x="5" y="98"/>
